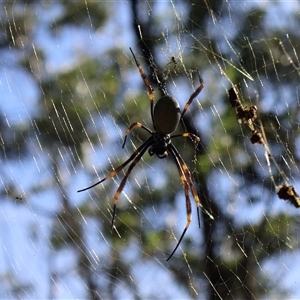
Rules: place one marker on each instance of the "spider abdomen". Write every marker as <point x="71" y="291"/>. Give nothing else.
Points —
<point x="166" y="115"/>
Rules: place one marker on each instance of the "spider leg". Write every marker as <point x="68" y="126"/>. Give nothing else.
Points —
<point x="123" y="182"/>
<point x="190" y="182"/>
<point x="194" y="95"/>
<point x="188" y="177"/>
<point x="187" y="199"/>
<point x="192" y="136"/>
<point x="138" y="124"/>
<point x="147" y="83"/>
<point x="118" y="169"/>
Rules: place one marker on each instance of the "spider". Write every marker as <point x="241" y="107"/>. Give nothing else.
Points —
<point x="165" y="115"/>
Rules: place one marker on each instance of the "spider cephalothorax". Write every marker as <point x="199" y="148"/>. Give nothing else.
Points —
<point x="160" y="145"/>
<point x="165" y="115"/>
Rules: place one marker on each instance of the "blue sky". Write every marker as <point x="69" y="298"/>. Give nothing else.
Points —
<point x="26" y="228"/>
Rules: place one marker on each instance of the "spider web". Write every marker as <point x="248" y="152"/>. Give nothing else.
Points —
<point x="70" y="88"/>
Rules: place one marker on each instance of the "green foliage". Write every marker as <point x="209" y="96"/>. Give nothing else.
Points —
<point x="76" y="103"/>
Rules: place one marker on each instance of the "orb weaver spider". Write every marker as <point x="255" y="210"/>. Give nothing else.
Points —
<point x="165" y="115"/>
